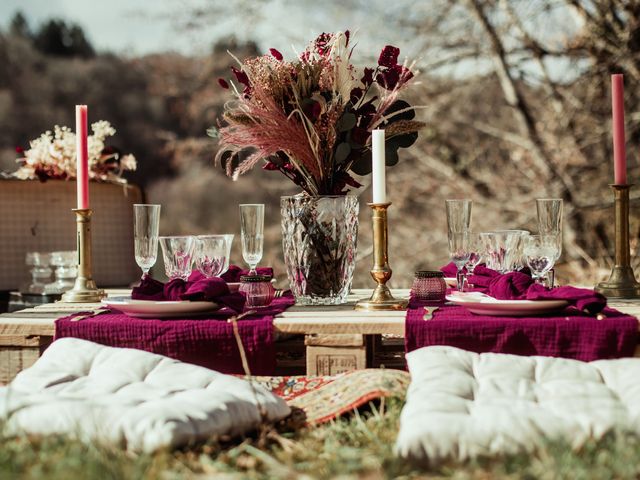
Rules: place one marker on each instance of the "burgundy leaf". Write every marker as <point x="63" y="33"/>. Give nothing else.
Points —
<point x="360" y="135"/>
<point x="241" y="76"/>
<point x="223" y="83"/>
<point x="367" y="78"/>
<point x="356" y="94"/>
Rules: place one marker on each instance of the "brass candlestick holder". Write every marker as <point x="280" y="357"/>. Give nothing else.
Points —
<point x="622" y="282"/>
<point x="381" y="298"/>
<point x="84" y="290"/>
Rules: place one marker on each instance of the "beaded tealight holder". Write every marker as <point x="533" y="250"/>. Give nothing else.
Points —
<point x="429" y="286"/>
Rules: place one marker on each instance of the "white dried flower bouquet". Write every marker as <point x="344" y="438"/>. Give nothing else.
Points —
<point x="53" y="156"/>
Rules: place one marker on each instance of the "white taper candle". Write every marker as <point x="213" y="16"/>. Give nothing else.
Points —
<point x="378" y="167"/>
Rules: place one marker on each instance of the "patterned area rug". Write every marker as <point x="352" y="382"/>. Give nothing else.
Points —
<point x="325" y="398"/>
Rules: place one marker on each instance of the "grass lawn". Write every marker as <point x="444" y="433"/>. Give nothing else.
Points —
<point x="360" y="446"/>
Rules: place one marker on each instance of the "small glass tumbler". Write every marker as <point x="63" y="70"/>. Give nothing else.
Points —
<point x="66" y="271"/>
<point x="40" y="272"/>
<point x="429" y="286"/>
<point x="178" y="256"/>
<point x="258" y="290"/>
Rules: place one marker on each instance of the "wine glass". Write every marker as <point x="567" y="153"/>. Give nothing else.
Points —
<point x="146" y="225"/>
<point x="458" y="215"/>
<point x="252" y="234"/>
<point x="550" y="223"/>
<point x="459" y="254"/>
<point x="550" y="219"/>
<point x="178" y="256"/>
<point x="212" y="254"/>
<point x="540" y="253"/>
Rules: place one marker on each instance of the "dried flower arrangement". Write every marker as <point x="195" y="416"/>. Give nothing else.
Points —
<point x="312" y="118"/>
<point x="53" y="156"/>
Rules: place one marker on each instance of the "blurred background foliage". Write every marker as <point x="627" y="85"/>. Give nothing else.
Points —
<point x="515" y="95"/>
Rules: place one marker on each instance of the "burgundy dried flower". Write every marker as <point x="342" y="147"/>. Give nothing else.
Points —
<point x="389" y="56"/>
<point x="276" y="54"/>
<point x="19" y="150"/>
<point x="312" y="110"/>
<point x="347" y="35"/>
<point x="322" y="43"/>
<point x="394" y="77"/>
<point x="388" y="79"/>
<point x="223" y="83"/>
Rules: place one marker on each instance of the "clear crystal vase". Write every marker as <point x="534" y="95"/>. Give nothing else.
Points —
<point x="319" y="236"/>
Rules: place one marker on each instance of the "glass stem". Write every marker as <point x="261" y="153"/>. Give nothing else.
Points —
<point x="460" y="280"/>
<point x="252" y="269"/>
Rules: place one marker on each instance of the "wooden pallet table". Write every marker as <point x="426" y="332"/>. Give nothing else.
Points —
<point x="337" y="338"/>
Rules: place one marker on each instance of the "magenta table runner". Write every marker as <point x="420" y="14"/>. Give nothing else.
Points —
<point x="208" y="342"/>
<point x="569" y="334"/>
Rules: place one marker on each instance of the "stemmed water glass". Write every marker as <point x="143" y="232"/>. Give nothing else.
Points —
<point x="177" y="253"/>
<point x="459" y="254"/>
<point x="458" y="215"/>
<point x="458" y="221"/>
<point x="146" y="225"/>
<point x="476" y="252"/>
<point x="252" y="234"/>
<point x="550" y="222"/>
<point x="212" y="254"/>
<point x="540" y="253"/>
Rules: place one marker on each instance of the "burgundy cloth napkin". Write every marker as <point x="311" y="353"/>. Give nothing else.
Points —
<point x="208" y="342"/>
<point x="583" y="299"/>
<point x="570" y="334"/>
<point x="520" y="286"/>
<point x="517" y="286"/>
<point x="509" y="286"/>
<point x="197" y="287"/>
<point x="480" y="279"/>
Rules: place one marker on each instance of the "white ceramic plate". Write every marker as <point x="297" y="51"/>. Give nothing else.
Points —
<point x="482" y="304"/>
<point x="153" y="309"/>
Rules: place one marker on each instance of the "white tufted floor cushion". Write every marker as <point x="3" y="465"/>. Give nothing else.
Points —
<point x="129" y="397"/>
<point x="462" y="405"/>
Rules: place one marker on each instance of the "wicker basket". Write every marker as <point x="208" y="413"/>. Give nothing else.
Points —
<point x="37" y="216"/>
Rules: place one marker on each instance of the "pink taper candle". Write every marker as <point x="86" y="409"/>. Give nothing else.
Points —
<point x="619" y="152"/>
<point x="82" y="154"/>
